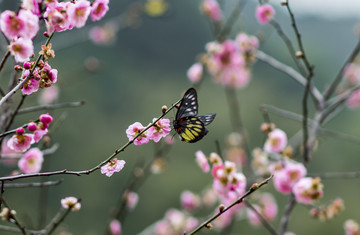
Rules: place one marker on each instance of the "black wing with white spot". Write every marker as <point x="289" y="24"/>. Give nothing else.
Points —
<point x="189" y="105"/>
<point x="207" y="119"/>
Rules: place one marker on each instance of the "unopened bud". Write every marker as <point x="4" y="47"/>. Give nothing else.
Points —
<point x="17" y="68"/>
<point x="284" y="3"/>
<point x="164" y="109"/>
<point x="299" y="54"/>
<point x="221" y="208"/>
<point x="208" y="226"/>
<point x="46" y="34"/>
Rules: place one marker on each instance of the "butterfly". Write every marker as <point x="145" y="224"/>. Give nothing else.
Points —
<point x="191" y="128"/>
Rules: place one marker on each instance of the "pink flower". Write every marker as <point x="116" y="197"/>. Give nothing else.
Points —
<point x="21" y="49"/>
<point x="133" y="130"/>
<point x="104" y="35"/>
<point x="20" y="141"/>
<point x="49" y="95"/>
<point x="195" y="72"/>
<point x="32" y="5"/>
<point x="47" y="75"/>
<point x="45" y="120"/>
<point x="265" y="13"/>
<point x="211" y="9"/>
<point x="24" y="24"/>
<point x="9" y="156"/>
<point x="285" y="179"/>
<point x="115" y="227"/>
<point x="56" y="17"/>
<point x="78" y="13"/>
<point x="31" y="162"/>
<point x="351" y="227"/>
<point x="308" y="190"/>
<point x="276" y="141"/>
<point x="202" y="161"/>
<point x="112" y="166"/>
<point x="38" y="134"/>
<point x="189" y="201"/>
<point x="162" y="227"/>
<point x="266" y="206"/>
<point x="31" y="86"/>
<point x="99" y="9"/>
<point x="132" y="199"/>
<point x="354" y="100"/>
<point x="160" y="129"/>
<point x="71" y="202"/>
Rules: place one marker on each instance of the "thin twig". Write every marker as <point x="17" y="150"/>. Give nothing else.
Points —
<point x="286" y="217"/>
<point x="338" y="78"/>
<point x="33" y="184"/>
<point x="289" y="71"/>
<point x="12" y="229"/>
<point x="252" y="189"/>
<point x="51" y="106"/>
<point x="266" y="224"/>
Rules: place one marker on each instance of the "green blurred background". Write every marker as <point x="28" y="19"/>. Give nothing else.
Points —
<point x="144" y="69"/>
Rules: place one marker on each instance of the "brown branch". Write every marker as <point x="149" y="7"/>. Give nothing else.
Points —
<point x="286" y="217"/>
<point x="252" y="189"/>
<point x="51" y="106"/>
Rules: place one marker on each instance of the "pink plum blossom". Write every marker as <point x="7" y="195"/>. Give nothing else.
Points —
<point x="21" y="49"/>
<point x="31" y="162"/>
<point x="266" y="206"/>
<point x="202" y="161"/>
<point x="24" y="24"/>
<point x="78" y="13"/>
<point x="159" y="130"/>
<point x="115" y="227"/>
<point x="276" y="141"/>
<point x="49" y="95"/>
<point x="265" y="13"/>
<point x="99" y="9"/>
<point x="47" y="75"/>
<point x="31" y="86"/>
<point x="9" y="157"/>
<point x="351" y="227"/>
<point x="307" y="190"/>
<point x="285" y="178"/>
<point x="211" y="9"/>
<point x="195" y="72"/>
<point x="104" y="35"/>
<point x="133" y="130"/>
<point x="132" y="199"/>
<point x="56" y="17"/>
<point x="20" y="141"/>
<point x="190" y="201"/>
<point x="38" y="134"/>
<point x="70" y="202"/>
<point x="354" y="100"/>
<point x="112" y="166"/>
<point x="32" y="5"/>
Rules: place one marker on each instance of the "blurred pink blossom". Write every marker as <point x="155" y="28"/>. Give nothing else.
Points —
<point x="308" y="190"/>
<point x="276" y="141"/>
<point x="49" y="95"/>
<point x="202" y="161"/>
<point x="285" y="178"/>
<point x="266" y="206"/>
<point x="132" y="199"/>
<point x="115" y="227"/>
<point x="265" y="13"/>
<point x="211" y="9"/>
<point x="31" y="162"/>
<point x="354" y="100"/>
<point x="351" y="227"/>
<point x="190" y="201"/>
<point x="99" y="9"/>
<point x="195" y="72"/>
<point x="20" y="141"/>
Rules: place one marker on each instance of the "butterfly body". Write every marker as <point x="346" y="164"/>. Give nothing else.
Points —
<point x="189" y="126"/>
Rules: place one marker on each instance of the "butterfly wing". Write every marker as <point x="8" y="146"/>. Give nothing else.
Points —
<point x="207" y="119"/>
<point x="189" y="105"/>
<point x="190" y="129"/>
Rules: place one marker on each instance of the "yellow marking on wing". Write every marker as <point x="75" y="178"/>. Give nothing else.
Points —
<point x="188" y="133"/>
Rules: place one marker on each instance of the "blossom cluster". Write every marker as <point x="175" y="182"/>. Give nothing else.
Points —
<point x="22" y="26"/>
<point x="289" y="175"/>
<point x="228" y="62"/>
<point x="43" y="76"/>
<point x="158" y="130"/>
<point x="22" y="141"/>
